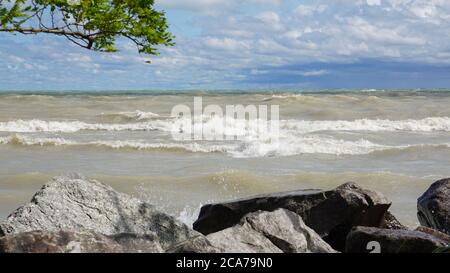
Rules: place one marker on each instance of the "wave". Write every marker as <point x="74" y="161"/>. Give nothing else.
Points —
<point x="33" y="126"/>
<point x="313" y="98"/>
<point x="305" y="145"/>
<point x="30" y="141"/>
<point x="133" y="115"/>
<point x="230" y="126"/>
<point x="285" y="96"/>
<point x="295" y="136"/>
<point x="115" y="144"/>
<point x="246" y="149"/>
<point x="373" y="125"/>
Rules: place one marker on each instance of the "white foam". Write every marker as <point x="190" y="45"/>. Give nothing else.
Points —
<point x="284" y="147"/>
<point x="306" y="145"/>
<point x="250" y="127"/>
<point x="33" y="126"/>
<point x="372" y="125"/>
<point x="189" y="214"/>
<point x="289" y="96"/>
<point x="295" y="136"/>
<point x="34" y="141"/>
<point x="116" y="144"/>
<point x="139" y="115"/>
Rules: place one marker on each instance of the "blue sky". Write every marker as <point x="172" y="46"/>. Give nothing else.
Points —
<point x="253" y="44"/>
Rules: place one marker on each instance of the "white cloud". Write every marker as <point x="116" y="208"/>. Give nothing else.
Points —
<point x="373" y="2"/>
<point x="362" y="29"/>
<point x="212" y="6"/>
<point x="314" y="73"/>
<point x="269" y="17"/>
<point x="227" y="44"/>
<point x="309" y="10"/>
<point x="246" y="41"/>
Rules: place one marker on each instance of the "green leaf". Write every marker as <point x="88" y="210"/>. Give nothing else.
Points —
<point x="99" y="23"/>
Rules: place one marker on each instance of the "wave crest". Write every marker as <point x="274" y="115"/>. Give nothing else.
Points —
<point x="248" y="149"/>
<point x="299" y="126"/>
<point x="131" y="116"/>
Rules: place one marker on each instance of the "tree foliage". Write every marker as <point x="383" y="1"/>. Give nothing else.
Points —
<point x="92" y="24"/>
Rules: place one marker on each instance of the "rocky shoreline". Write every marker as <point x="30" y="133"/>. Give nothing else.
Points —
<point x="72" y="214"/>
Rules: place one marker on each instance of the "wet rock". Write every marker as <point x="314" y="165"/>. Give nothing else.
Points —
<point x="391" y="222"/>
<point x="76" y="203"/>
<point x="280" y="231"/>
<point x="78" y="242"/>
<point x="435" y="233"/>
<point x="434" y="206"/>
<point x="331" y="214"/>
<point x="376" y="240"/>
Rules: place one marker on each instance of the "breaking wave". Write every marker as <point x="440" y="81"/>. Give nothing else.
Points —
<point x="246" y="149"/>
<point x="295" y="136"/>
<point x="299" y="126"/>
<point x="115" y="144"/>
<point x="33" y="126"/>
<point x="372" y="125"/>
<point x="133" y="115"/>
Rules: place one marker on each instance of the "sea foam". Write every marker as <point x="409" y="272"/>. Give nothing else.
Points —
<point x="295" y="136"/>
<point x="244" y="149"/>
<point x="300" y="126"/>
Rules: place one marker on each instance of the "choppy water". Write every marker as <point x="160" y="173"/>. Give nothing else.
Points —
<point x="394" y="142"/>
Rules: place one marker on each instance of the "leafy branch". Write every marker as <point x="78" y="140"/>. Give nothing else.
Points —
<point x="91" y="24"/>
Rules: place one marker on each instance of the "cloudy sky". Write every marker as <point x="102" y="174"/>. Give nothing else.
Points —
<point x="254" y="44"/>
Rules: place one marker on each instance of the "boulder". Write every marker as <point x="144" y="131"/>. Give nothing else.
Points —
<point x="331" y="214"/>
<point x="280" y="231"/>
<point x="369" y="239"/>
<point x="78" y="242"/>
<point x="391" y="222"/>
<point x="198" y="244"/>
<point x="76" y="203"/>
<point x="434" y="206"/>
<point x="435" y="233"/>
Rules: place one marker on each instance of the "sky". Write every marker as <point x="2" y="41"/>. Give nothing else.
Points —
<point x="254" y="44"/>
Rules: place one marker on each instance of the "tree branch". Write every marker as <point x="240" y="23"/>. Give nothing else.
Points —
<point x="56" y="31"/>
<point x="71" y="35"/>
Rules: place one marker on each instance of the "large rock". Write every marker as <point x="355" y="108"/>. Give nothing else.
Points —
<point x="198" y="244"/>
<point x="368" y="239"/>
<point x="434" y="206"/>
<point x="434" y="233"/>
<point x="78" y="242"/>
<point x="331" y="214"/>
<point x="281" y="231"/>
<point x="75" y="203"/>
<point x="391" y="222"/>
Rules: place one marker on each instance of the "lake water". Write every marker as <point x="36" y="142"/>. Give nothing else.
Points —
<point x="394" y="142"/>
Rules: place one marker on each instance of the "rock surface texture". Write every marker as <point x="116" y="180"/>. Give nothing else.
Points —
<point x="435" y="233"/>
<point x="78" y="242"/>
<point x="434" y="206"/>
<point x="331" y="214"/>
<point x="368" y="239"/>
<point x="280" y="231"/>
<point x="391" y="222"/>
<point x="76" y="203"/>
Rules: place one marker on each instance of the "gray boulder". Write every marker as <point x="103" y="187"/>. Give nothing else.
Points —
<point x="280" y="231"/>
<point x="76" y="203"/>
<point x="78" y="242"/>
<point x="434" y="206"/>
<point x="198" y="244"/>
<point x="331" y="214"/>
<point x="368" y="239"/>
